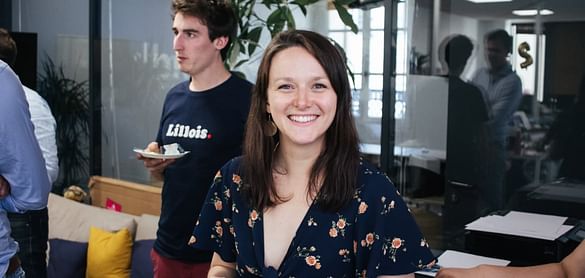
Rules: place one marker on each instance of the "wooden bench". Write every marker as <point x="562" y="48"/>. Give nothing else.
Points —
<point x="134" y="198"/>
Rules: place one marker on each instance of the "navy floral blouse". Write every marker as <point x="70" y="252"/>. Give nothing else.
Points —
<point x="374" y="235"/>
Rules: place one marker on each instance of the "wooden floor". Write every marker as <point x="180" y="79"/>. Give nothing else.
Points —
<point x="429" y="219"/>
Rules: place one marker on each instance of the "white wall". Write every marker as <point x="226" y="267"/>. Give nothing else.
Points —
<point x="55" y="21"/>
<point x="456" y="24"/>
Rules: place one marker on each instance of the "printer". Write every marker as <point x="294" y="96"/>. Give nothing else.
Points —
<point x="523" y="249"/>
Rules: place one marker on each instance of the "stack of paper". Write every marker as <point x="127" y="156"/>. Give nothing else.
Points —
<point x="452" y="258"/>
<point x="532" y="225"/>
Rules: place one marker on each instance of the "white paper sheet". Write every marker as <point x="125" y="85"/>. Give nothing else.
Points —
<point x="532" y="225"/>
<point x="458" y="259"/>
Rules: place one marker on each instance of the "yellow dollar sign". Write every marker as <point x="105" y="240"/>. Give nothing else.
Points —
<point x="523" y="52"/>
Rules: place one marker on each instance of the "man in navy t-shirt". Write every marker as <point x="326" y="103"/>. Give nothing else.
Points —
<point x="206" y="116"/>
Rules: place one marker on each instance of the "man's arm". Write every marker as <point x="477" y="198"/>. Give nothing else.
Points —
<point x="45" y="126"/>
<point x="21" y="161"/>
<point x="508" y="100"/>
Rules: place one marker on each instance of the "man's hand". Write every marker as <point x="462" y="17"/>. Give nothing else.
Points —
<point x="154" y="165"/>
<point x="4" y="187"/>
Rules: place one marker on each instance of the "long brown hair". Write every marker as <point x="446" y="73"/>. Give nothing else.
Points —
<point x="336" y="166"/>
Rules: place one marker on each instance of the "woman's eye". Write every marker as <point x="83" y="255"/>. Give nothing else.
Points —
<point x="284" y="87"/>
<point x="320" y="86"/>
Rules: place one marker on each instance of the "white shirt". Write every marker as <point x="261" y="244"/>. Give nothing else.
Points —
<point x="502" y="92"/>
<point x="45" y="126"/>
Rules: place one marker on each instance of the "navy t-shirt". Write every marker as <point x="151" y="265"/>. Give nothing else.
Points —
<point x="209" y="124"/>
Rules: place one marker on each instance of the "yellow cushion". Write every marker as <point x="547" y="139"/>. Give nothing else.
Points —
<point x="108" y="254"/>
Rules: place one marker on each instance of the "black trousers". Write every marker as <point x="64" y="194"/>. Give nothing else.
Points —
<point x="31" y="231"/>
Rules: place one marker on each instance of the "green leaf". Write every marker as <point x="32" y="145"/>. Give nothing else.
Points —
<point x="274" y="18"/>
<point x="290" y="20"/>
<point x="234" y="53"/>
<point x="239" y="74"/>
<point x="303" y="9"/>
<point x="275" y="22"/>
<point x="254" y="37"/>
<point x="343" y="2"/>
<point x="344" y="55"/>
<point x="304" y="2"/>
<point x="346" y="17"/>
<point x="269" y="3"/>
<point x="241" y="63"/>
<point x="241" y="46"/>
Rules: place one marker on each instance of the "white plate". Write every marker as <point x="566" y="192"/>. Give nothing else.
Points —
<point x="159" y="155"/>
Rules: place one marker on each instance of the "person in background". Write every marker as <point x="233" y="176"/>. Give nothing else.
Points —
<point x="31" y="229"/>
<point x="300" y="202"/>
<point x="502" y="91"/>
<point x="206" y="116"/>
<point x="466" y="143"/>
<point x="466" y="118"/>
<point x="566" y="139"/>
<point x="24" y="183"/>
<point x="571" y="266"/>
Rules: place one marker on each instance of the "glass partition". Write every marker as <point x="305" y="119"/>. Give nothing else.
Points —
<point x="61" y="47"/>
<point x="459" y="165"/>
<point x="138" y="68"/>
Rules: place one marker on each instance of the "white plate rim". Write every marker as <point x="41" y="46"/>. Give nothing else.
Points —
<point x="158" y="155"/>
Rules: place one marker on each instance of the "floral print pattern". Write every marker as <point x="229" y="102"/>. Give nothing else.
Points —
<point x="338" y="227"/>
<point x="339" y="244"/>
<point x="311" y="259"/>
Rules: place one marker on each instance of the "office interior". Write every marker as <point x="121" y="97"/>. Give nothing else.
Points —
<point x="123" y="51"/>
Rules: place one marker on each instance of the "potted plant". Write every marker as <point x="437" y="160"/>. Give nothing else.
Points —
<point x="68" y="100"/>
<point x="251" y="25"/>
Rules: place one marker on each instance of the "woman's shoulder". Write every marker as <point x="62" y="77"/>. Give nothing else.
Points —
<point x="373" y="182"/>
<point x="232" y="165"/>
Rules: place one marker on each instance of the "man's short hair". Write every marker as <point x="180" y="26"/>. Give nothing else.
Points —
<point x="457" y="51"/>
<point x="501" y="36"/>
<point x="217" y="15"/>
<point x="7" y="48"/>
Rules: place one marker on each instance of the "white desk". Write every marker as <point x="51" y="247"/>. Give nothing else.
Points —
<point x="421" y="157"/>
<point x="410" y="156"/>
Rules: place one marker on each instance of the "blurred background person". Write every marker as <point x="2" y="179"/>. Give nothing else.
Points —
<point x="466" y="142"/>
<point x="502" y="91"/>
<point x="566" y="139"/>
<point x="30" y="229"/>
<point x="24" y="183"/>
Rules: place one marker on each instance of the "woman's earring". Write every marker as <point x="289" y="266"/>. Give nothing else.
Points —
<point x="270" y="129"/>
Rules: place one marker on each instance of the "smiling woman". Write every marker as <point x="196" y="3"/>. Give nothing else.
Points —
<point x="301" y="100"/>
<point x="301" y="201"/>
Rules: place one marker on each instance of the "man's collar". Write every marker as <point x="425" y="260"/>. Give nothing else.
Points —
<point x="505" y="70"/>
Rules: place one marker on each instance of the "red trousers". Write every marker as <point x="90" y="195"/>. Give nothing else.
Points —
<point x="167" y="268"/>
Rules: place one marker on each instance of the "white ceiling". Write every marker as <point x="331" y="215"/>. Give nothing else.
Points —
<point x="564" y="10"/>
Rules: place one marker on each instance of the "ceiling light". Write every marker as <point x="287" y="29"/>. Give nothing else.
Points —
<point x="532" y="12"/>
<point x="488" y="1"/>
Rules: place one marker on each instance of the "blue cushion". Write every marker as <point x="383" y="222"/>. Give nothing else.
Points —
<point x="67" y="258"/>
<point x="141" y="262"/>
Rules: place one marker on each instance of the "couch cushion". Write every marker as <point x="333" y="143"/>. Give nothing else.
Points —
<point x="108" y="254"/>
<point x="141" y="262"/>
<point x="66" y="259"/>
<point x="146" y="226"/>
<point x="71" y="220"/>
